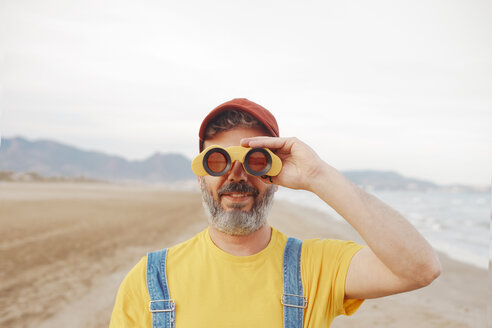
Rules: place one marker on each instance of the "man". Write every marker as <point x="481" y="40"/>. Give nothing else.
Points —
<point x="233" y="273"/>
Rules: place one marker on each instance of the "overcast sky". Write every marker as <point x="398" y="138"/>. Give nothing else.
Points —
<point x="404" y="86"/>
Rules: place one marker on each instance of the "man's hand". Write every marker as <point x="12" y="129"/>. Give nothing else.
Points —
<point x="398" y="259"/>
<point x="301" y="165"/>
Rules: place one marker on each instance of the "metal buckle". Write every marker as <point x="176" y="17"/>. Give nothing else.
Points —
<point x="282" y="300"/>
<point x="172" y="306"/>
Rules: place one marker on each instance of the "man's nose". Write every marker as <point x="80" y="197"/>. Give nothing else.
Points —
<point x="237" y="172"/>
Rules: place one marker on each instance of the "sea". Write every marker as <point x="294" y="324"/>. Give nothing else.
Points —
<point x="456" y="223"/>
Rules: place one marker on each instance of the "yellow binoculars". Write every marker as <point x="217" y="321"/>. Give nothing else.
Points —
<point x="217" y="160"/>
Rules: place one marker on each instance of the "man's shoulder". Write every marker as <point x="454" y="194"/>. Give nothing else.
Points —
<point x="321" y="242"/>
<point x="330" y="251"/>
<point x="183" y="244"/>
<point x="329" y="245"/>
<point x="188" y="245"/>
<point x="135" y="280"/>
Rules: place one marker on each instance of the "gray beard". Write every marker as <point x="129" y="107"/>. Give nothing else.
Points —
<point x="237" y="222"/>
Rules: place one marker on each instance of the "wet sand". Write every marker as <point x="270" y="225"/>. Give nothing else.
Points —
<point x="65" y="247"/>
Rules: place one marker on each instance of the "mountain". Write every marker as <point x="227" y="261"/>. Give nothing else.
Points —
<point x="45" y="160"/>
<point x="50" y="158"/>
<point x="372" y="179"/>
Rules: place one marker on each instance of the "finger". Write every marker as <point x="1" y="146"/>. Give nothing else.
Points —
<point x="246" y="141"/>
<point x="266" y="142"/>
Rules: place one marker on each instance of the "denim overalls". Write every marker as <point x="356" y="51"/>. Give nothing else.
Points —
<point x="163" y="308"/>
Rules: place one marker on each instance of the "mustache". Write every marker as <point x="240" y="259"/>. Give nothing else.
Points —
<point x="238" y="187"/>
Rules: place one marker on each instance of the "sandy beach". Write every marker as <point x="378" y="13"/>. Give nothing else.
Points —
<point x="65" y="247"/>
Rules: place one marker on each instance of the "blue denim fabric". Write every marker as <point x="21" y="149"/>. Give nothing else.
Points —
<point x="161" y="305"/>
<point x="293" y="298"/>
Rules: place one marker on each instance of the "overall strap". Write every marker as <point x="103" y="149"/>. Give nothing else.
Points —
<point x="161" y="305"/>
<point x="293" y="298"/>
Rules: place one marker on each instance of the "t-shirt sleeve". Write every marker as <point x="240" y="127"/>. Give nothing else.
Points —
<point x="131" y="308"/>
<point x="346" y="252"/>
<point x="324" y="271"/>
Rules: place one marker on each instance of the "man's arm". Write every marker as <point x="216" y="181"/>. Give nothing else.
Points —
<point x="398" y="258"/>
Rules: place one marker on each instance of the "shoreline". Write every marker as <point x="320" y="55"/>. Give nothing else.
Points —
<point x="68" y="246"/>
<point x="445" y="245"/>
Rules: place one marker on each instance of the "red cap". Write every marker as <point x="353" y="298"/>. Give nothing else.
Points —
<point x="244" y="105"/>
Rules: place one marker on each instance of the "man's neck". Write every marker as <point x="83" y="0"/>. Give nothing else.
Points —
<point x="242" y="245"/>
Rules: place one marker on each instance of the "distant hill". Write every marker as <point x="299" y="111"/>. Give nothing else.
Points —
<point x="49" y="158"/>
<point x="46" y="160"/>
<point x="371" y="179"/>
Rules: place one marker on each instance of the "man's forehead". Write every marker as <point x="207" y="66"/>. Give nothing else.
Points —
<point x="232" y="137"/>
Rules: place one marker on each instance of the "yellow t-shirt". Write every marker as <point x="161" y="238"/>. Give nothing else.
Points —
<point x="212" y="288"/>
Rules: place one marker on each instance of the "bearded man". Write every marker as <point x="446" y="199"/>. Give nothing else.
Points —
<point x="240" y="271"/>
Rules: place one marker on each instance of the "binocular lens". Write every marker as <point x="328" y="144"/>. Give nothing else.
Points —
<point x="257" y="161"/>
<point x="216" y="162"/>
